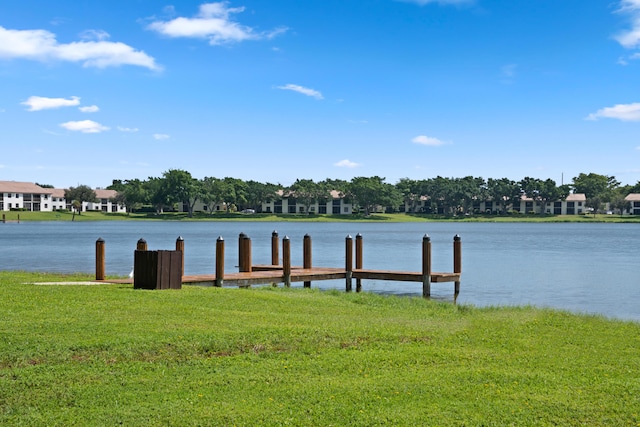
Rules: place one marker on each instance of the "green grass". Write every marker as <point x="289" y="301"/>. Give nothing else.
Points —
<point x="111" y="355"/>
<point x="398" y="217"/>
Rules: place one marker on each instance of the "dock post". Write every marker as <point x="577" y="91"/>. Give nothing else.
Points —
<point x="426" y="266"/>
<point x="100" y="259"/>
<point x="245" y="255"/>
<point x="141" y="245"/>
<point x="180" y="247"/>
<point x="457" y="261"/>
<point x="275" y="256"/>
<point x="306" y="256"/>
<point x="241" y="237"/>
<point x="286" y="261"/>
<point x="348" y="262"/>
<point x="219" y="262"/>
<point x="359" y="248"/>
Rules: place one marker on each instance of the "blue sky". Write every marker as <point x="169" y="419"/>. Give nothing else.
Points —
<point x="276" y="90"/>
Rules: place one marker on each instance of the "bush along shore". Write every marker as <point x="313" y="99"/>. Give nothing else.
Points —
<point x="112" y="355"/>
<point x="24" y="216"/>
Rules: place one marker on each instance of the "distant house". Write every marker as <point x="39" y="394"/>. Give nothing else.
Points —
<point x="24" y="195"/>
<point x="31" y="197"/>
<point x="287" y="203"/>
<point x="574" y="204"/>
<point x="634" y="202"/>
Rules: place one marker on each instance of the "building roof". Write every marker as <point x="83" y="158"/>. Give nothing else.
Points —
<point x="577" y="197"/>
<point x="23" y="188"/>
<point x="105" y="194"/>
<point x="633" y="197"/>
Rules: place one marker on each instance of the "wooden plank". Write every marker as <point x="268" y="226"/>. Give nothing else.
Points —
<point x="404" y="276"/>
<point x="275" y="275"/>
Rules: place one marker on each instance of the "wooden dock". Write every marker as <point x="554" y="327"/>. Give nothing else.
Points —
<point x="255" y="274"/>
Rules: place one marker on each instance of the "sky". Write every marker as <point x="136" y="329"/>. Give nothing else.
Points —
<point x="273" y="91"/>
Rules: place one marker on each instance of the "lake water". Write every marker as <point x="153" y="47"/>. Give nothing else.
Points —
<point x="585" y="268"/>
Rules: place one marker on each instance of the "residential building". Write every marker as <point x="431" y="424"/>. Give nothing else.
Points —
<point x="287" y="203"/>
<point x="634" y="202"/>
<point x="31" y="197"/>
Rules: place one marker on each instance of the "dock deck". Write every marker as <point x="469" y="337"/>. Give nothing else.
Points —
<point x="264" y="275"/>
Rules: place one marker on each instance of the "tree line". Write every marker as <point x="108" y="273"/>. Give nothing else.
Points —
<point x="448" y="195"/>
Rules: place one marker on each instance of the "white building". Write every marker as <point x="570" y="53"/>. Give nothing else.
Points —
<point x="287" y="203"/>
<point x="634" y="201"/>
<point x="31" y="197"/>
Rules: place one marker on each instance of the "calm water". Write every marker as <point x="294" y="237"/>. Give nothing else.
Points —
<point x="590" y="268"/>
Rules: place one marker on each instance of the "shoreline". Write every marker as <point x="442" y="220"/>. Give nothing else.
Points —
<point x="16" y="217"/>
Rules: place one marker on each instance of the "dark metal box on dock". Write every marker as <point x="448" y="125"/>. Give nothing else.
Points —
<point x="157" y="270"/>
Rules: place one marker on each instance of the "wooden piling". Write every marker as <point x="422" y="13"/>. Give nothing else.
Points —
<point x="286" y="261"/>
<point x="180" y="247"/>
<point x="245" y="261"/>
<point x="219" y="262"/>
<point x="100" y="259"/>
<point x="348" y="262"/>
<point x="241" y="237"/>
<point x="142" y="245"/>
<point x="457" y="260"/>
<point x="426" y="266"/>
<point x="275" y="244"/>
<point x="306" y="256"/>
<point x="359" y="248"/>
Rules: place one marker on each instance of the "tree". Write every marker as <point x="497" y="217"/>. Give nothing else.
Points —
<point x="235" y="193"/>
<point x="503" y="191"/>
<point x="308" y="192"/>
<point x="131" y="194"/>
<point x="411" y="192"/>
<point x="370" y="192"/>
<point x="593" y="185"/>
<point x="182" y="188"/>
<point x="79" y="195"/>
<point x="259" y="193"/>
<point x="157" y="194"/>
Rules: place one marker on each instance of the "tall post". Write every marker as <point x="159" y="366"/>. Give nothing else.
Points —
<point x="241" y="237"/>
<point x="142" y="245"/>
<point x="219" y="261"/>
<point x="348" y="261"/>
<point x="180" y="247"/>
<point x="100" y="259"/>
<point x="275" y="244"/>
<point x="306" y="256"/>
<point x="286" y="261"/>
<point x="457" y="261"/>
<point x="359" y="248"/>
<point x="245" y="256"/>
<point x="426" y="266"/>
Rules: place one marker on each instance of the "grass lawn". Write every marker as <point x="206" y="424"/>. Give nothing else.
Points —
<point x="397" y="217"/>
<point x="112" y="355"/>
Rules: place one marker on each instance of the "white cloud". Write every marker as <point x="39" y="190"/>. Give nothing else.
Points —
<point x="89" y="109"/>
<point x="124" y="129"/>
<point x="303" y="90"/>
<point x="160" y="136"/>
<point x="37" y="103"/>
<point x="214" y="23"/>
<point x="84" y="126"/>
<point x="630" y="38"/>
<point x="41" y="45"/>
<point x="427" y="140"/>
<point x="624" y="112"/>
<point x="347" y="164"/>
